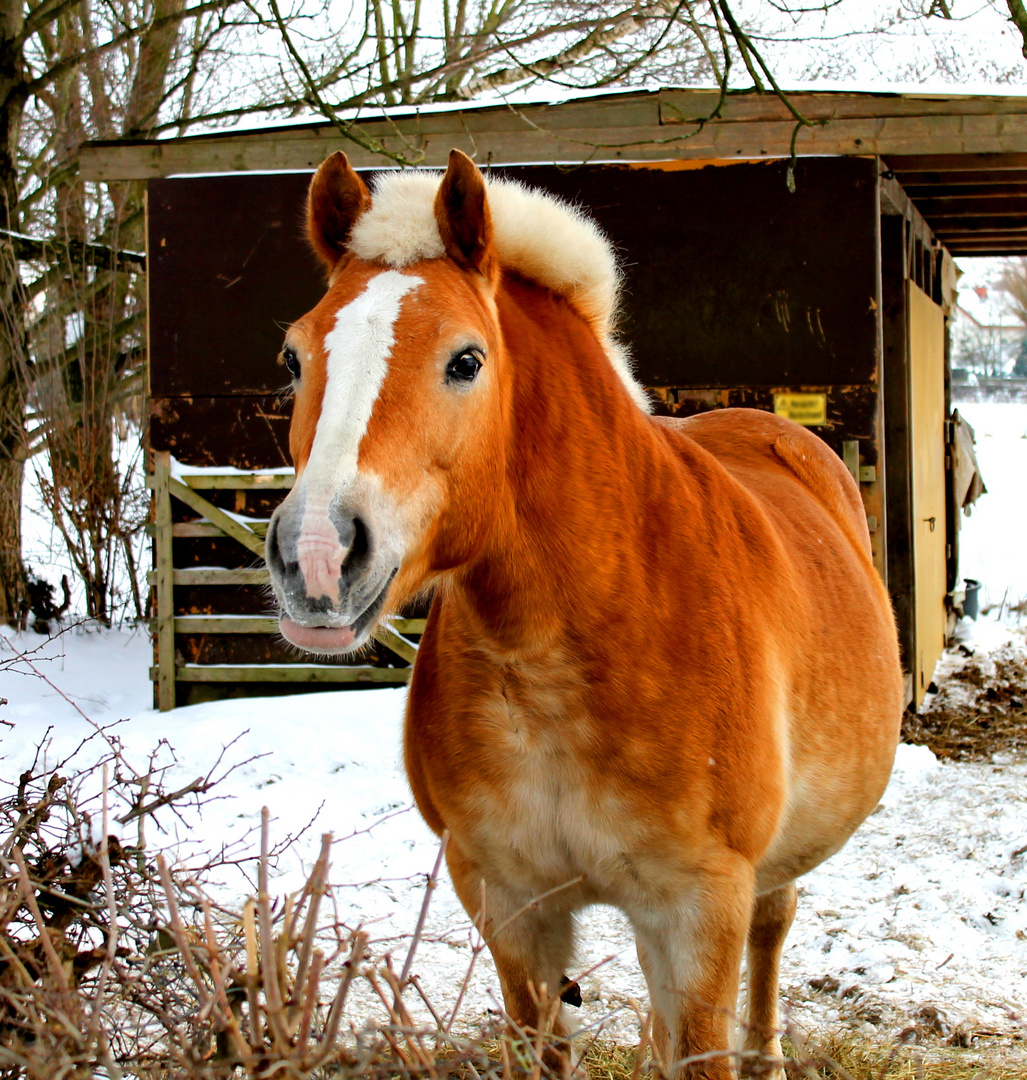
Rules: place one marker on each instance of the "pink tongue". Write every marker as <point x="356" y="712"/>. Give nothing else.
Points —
<point x="317" y="638"/>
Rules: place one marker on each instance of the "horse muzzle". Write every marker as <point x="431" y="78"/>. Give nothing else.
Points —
<point x="329" y="576"/>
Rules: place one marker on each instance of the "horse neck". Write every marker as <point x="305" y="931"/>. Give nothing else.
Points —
<point x="573" y="507"/>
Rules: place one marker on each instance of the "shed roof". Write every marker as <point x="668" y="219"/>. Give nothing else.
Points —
<point x="961" y="158"/>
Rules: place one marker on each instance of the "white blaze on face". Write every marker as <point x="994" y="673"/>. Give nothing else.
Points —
<point x="357" y="348"/>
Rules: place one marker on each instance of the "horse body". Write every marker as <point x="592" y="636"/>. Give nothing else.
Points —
<point x="659" y="671"/>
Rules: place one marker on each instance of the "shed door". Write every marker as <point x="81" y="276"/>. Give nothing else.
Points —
<point x="927" y="440"/>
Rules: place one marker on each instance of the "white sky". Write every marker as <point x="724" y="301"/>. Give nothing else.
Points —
<point x="865" y="44"/>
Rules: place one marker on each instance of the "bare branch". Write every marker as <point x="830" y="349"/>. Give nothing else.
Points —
<point x="1018" y="17"/>
<point x="32" y="249"/>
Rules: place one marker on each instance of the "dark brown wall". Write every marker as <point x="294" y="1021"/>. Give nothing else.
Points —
<point x="731" y="281"/>
<point x="229" y="267"/>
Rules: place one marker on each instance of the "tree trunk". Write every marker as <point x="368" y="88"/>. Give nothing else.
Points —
<point x="13" y="385"/>
<point x="12" y="571"/>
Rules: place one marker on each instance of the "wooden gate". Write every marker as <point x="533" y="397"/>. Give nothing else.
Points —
<point x="213" y="600"/>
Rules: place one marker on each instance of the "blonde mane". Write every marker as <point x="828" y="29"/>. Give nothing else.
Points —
<point x="535" y="234"/>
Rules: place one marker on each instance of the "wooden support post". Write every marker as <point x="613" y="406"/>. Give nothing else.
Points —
<point x="850" y="455"/>
<point x="165" y="590"/>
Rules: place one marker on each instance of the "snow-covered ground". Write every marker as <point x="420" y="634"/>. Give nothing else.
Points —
<point x="919" y="920"/>
<point x="993" y="539"/>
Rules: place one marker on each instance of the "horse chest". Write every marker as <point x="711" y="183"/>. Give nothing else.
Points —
<point x="547" y="813"/>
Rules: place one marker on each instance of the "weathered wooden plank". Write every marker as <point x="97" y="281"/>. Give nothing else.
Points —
<point x="253" y="155"/>
<point x="956" y="162"/>
<point x="895" y="200"/>
<point x="225" y="522"/>
<point x="426" y="133"/>
<point x="965" y="191"/>
<point x="225" y="624"/>
<point x="163" y="575"/>
<point x="617" y="109"/>
<point x="549" y="135"/>
<point x="957" y="226"/>
<point x="242" y="576"/>
<point x="994" y="223"/>
<point x="216" y="576"/>
<point x="292" y="673"/>
<point x="638" y="110"/>
<point x="1011" y="206"/>
<point x="983" y="178"/>
<point x="262" y="624"/>
<point x="278" y="481"/>
<point x="196" y="530"/>
<point x="953" y="232"/>
<point x="897" y="449"/>
<point x="203" y="530"/>
<point x="391" y="640"/>
<point x="1012" y="247"/>
<point x="680" y="106"/>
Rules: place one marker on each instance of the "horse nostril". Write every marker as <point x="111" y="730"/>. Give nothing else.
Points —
<point x="361" y="544"/>
<point x="360" y="548"/>
<point x="272" y="549"/>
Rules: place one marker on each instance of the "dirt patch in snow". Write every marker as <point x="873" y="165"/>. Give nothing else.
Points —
<point x="979" y="712"/>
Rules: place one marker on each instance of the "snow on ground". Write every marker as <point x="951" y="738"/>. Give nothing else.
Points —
<point x="923" y="908"/>
<point x="992" y="545"/>
<point x="919" y="920"/>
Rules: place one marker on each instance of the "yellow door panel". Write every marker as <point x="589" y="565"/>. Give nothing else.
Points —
<point x="927" y="437"/>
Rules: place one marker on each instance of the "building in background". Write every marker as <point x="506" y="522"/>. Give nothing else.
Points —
<point x="989" y="339"/>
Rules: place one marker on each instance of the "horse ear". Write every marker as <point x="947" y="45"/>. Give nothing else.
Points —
<point x="462" y="213"/>
<point x="336" y="199"/>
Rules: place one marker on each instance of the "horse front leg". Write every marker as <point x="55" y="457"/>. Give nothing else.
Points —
<point x="691" y="951"/>
<point x="772" y="916"/>
<point x="531" y="942"/>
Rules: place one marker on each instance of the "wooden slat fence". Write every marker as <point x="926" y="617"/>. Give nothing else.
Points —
<point x="214" y="635"/>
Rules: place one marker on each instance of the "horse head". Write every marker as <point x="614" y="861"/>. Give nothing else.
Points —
<point x="397" y="374"/>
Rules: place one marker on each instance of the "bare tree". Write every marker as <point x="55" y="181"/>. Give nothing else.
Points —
<point x="73" y="349"/>
<point x="71" y="344"/>
<point x="1012" y="280"/>
<point x="13" y="380"/>
<point x="71" y="341"/>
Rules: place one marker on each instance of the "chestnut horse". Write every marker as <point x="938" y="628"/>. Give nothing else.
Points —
<point x="660" y="670"/>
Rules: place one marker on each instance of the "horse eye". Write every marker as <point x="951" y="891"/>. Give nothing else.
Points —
<point x="291" y="360"/>
<point x="463" y="368"/>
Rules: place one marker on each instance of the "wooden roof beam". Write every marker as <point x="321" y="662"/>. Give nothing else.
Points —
<point x="961" y="178"/>
<point x="956" y="235"/>
<point x="984" y="250"/>
<point x="895" y="200"/>
<point x="964" y="191"/>
<point x="967" y="161"/>
<point x="1009" y="206"/>
<point x="643" y="126"/>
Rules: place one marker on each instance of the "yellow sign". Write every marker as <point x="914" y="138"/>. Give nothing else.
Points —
<point x="810" y="410"/>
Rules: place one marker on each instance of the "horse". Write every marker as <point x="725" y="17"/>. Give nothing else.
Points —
<point x="659" y="671"/>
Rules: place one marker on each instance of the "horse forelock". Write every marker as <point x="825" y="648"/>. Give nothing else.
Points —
<point x="535" y="235"/>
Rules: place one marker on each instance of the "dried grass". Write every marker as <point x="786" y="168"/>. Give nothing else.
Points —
<point x="851" y="1057"/>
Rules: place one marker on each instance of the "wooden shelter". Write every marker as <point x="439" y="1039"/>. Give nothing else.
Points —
<point x="817" y="287"/>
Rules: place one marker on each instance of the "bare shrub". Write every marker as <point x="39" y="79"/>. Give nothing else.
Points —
<point x="115" y="962"/>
